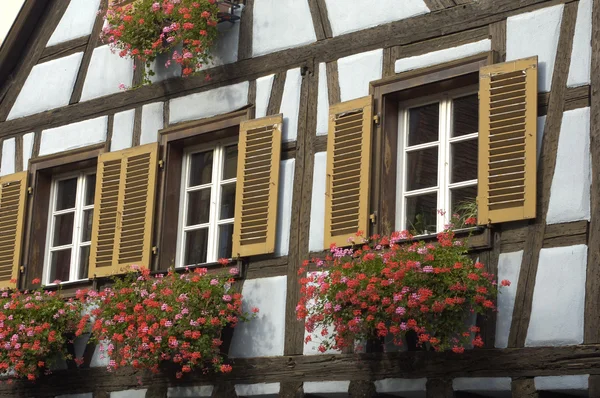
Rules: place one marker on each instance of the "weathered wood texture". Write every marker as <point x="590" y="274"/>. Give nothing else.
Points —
<point x="439" y="388"/>
<point x="417" y="29"/>
<point x="276" y="94"/>
<point x="523" y="388"/>
<point x="592" y="288"/>
<point x="536" y="231"/>
<point x="498" y="38"/>
<point x="436" y="5"/>
<point x="515" y="362"/>
<point x="64" y="49"/>
<point x="246" y="22"/>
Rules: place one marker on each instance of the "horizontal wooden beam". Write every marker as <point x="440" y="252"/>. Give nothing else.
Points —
<point x="64" y="49"/>
<point x="399" y="33"/>
<point x="513" y="362"/>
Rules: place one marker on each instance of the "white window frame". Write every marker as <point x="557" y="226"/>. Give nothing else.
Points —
<point x="215" y="185"/>
<point x="79" y="210"/>
<point x="445" y="139"/>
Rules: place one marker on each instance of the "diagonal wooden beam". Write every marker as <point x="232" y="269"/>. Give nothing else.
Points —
<point x="536" y="231"/>
<point x="436" y="5"/>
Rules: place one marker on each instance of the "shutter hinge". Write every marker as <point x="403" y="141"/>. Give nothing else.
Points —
<point x="373" y="218"/>
<point x="29" y="190"/>
<point x="161" y="163"/>
<point x="376" y="119"/>
<point x="154" y="250"/>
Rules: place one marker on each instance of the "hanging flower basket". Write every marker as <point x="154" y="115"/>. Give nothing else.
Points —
<point x="174" y="320"/>
<point x="34" y="330"/>
<point x="145" y="29"/>
<point x="382" y="287"/>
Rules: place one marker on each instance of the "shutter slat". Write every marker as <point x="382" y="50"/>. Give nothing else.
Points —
<point x="122" y="228"/>
<point x="348" y="170"/>
<point x="259" y="156"/>
<point x="507" y="141"/>
<point x="13" y="195"/>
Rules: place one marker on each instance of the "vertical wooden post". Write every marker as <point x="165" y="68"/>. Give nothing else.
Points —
<point x="439" y="388"/>
<point x="362" y="388"/>
<point x="291" y="390"/>
<point x="523" y="388"/>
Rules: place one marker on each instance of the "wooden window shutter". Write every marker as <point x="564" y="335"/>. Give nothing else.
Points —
<point x="123" y="216"/>
<point x="507" y="141"/>
<point x="348" y="170"/>
<point x="13" y="195"/>
<point x="259" y="156"/>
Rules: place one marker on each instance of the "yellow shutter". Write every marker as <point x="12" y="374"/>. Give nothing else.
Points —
<point x="507" y="141"/>
<point x="348" y="170"/>
<point x="123" y="217"/>
<point x="13" y="194"/>
<point x="259" y="155"/>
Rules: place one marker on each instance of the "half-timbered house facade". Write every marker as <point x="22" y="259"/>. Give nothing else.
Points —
<point x="320" y="118"/>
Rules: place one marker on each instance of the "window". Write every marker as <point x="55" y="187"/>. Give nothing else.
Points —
<point x="437" y="162"/>
<point x="208" y="203"/>
<point x="70" y="227"/>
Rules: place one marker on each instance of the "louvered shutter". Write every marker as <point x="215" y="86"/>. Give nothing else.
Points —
<point x="13" y="194"/>
<point x="123" y="218"/>
<point x="259" y="155"/>
<point x="348" y="170"/>
<point x="507" y="141"/>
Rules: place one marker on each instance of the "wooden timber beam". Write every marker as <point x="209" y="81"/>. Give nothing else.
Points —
<point x="399" y="33"/>
<point x="513" y="362"/>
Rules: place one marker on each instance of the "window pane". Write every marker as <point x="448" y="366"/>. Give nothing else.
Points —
<point x="465" y="118"/>
<point x="225" y="240"/>
<point x="86" y="233"/>
<point x="423" y="124"/>
<point x="66" y="194"/>
<point x="60" y="265"/>
<point x="230" y="163"/>
<point x="198" y="207"/>
<point x="196" y="245"/>
<point x="90" y="189"/>
<point x="463" y="202"/>
<point x="421" y="214"/>
<point x="84" y="262"/>
<point x="227" y="201"/>
<point x="63" y="229"/>
<point x="421" y="168"/>
<point x="201" y="168"/>
<point x="464" y="160"/>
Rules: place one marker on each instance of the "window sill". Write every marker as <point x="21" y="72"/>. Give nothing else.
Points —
<point x="479" y="239"/>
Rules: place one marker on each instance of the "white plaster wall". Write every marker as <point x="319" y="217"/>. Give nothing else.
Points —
<point x="570" y="191"/>
<point x="284" y="206"/>
<point x="257" y="389"/>
<point x="48" y="86"/>
<point x="509" y="268"/>
<point x="86" y="395"/>
<point x="225" y="49"/>
<point x="73" y="135"/>
<point x="208" y="103"/>
<point x="441" y="56"/>
<point x="326" y="387"/>
<point x="100" y="356"/>
<point x="541" y="122"/>
<point x="263" y="336"/>
<point x="27" y="149"/>
<point x="558" y="298"/>
<point x="323" y="101"/>
<point x="290" y="104"/>
<point x="361" y="14"/>
<point x="152" y="121"/>
<point x="409" y="388"/>
<point x="8" y="157"/>
<point x="535" y="33"/>
<point x="281" y="24"/>
<point x="129" y="394"/>
<point x="317" y="204"/>
<point x="264" y="85"/>
<point x="356" y="71"/>
<point x="106" y="72"/>
<point x="189" y="392"/>
<point x="77" y="21"/>
<point x="562" y="383"/>
<point x="312" y="347"/>
<point x="161" y="70"/>
<point x="581" y="55"/>
<point x="122" y="130"/>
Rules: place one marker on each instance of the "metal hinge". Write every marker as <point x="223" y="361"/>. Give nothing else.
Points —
<point x="373" y="218"/>
<point x="376" y="119"/>
<point x="154" y="250"/>
<point x="161" y="163"/>
<point x="29" y="190"/>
